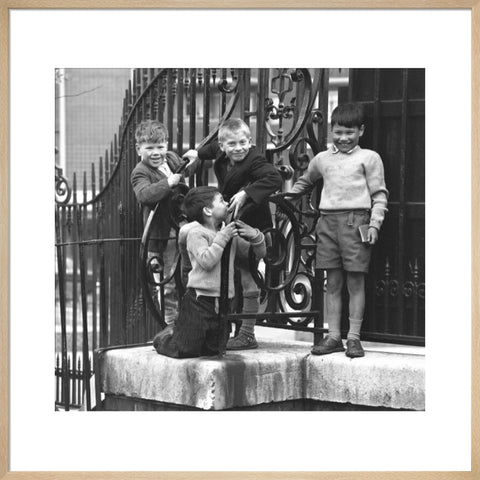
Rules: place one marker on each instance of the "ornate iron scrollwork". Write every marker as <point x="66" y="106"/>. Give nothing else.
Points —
<point x="409" y="289"/>
<point x="63" y="191"/>
<point x="151" y="266"/>
<point x="224" y="85"/>
<point x="288" y="269"/>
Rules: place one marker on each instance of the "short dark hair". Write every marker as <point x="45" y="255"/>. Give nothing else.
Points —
<point x="195" y="201"/>
<point x="151" y="131"/>
<point x="348" y="115"/>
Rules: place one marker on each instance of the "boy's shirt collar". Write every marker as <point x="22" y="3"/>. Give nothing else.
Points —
<point x="336" y="150"/>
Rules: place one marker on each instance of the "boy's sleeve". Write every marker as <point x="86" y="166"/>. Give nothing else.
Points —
<point x="206" y="255"/>
<point x="309" y="178"/>
<point x="264" y="180"/>
<point x="378" y="191"/>
<point x="148" y="193"/>
<point x="258" y="244"/>
<point x="211" y="151"/>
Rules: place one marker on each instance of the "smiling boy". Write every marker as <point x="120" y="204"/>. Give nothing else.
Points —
<point x="246" y="180"/>
<point x="353" y="194"/>
<point x="153" y="179"/>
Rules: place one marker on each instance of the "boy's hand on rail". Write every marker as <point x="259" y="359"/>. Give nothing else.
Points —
<point x="191" y="155"/>
<point x="174" y="180"/>
<point x="230" y="230"/>
<point x="246" y="231"/>
<point x="237" y="202"/>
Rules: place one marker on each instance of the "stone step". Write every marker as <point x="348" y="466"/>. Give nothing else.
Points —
<point x="276" y="372"/>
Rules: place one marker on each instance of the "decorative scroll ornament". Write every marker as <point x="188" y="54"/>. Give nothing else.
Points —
<point x="409" y="289"/>
<point x="63" y="192"/>
<point x="224" y="85"/>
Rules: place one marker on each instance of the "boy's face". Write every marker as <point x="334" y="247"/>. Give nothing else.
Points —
<point x="236" y="146"/>
<point x="219" y="208"/>
<point x="153" y="154"/>
<point x="346" y="138"/>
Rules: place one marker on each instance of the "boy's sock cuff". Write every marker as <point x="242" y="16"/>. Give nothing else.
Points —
<point x="248" y="327"/>
<point x="335" y="335"/>
<point x="354" y="328"/>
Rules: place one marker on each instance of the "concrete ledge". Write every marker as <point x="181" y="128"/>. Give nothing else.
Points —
<point x="378" y="379"/>
<point x="274" y="373"/>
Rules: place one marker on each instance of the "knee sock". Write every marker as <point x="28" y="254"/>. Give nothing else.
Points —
<point x="250" y="305"/>
<point x="334" y="332"/>
<point x="354" y="329"/>
<point x="334" y="327"/>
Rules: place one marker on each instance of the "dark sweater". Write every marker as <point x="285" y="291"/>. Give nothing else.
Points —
<point x="258" y="178"/>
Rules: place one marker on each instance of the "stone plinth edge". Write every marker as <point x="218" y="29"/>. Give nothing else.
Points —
<point x="275" y="372"/>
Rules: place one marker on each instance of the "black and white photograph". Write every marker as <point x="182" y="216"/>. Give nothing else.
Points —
<point x="240" y="239"/>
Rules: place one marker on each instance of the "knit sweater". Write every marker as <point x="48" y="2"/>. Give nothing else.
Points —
<point x="353" y="180"/>
<point x="205" y="249"/>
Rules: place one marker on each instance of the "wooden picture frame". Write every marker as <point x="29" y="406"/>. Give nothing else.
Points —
<point x="5" y="267"/>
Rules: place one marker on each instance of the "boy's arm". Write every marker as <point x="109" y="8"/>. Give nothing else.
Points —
<point x="264" y="180"/>
<point x="378" y="191"/>
<point x="309" y="178"/>
<point x="148" y="193"/>
<point x="250" y="236"/>
<point x="259" y="246"/>
<point x="210" y="151"/>
<point x="207" y="255"/>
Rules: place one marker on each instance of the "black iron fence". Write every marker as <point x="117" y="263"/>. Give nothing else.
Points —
<point x="103" y="278"/>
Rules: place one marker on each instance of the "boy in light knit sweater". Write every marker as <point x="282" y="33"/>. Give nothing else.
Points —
<point x="353" y="195"/>
<point x="197" y="332"/>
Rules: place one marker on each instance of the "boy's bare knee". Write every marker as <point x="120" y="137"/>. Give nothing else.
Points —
<point x="334" y="281"/>
<point x="355" y="282"/>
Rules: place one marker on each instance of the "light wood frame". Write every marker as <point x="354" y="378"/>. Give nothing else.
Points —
<point x="6" y="6"/>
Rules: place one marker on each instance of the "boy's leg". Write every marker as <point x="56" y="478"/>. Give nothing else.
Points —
<point x="170" y="295"/>
<point x="356" y="291"/>
<point x="251" y="294"/>
<point x="189" y="331"/>
<point x="163" y="343"/>
<point x="333" y="303"/>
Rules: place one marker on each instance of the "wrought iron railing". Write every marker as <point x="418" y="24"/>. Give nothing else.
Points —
<point x="101" y="263"/>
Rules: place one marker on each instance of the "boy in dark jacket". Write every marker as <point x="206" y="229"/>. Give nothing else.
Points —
<point x="153" y="179"/>
<point x="246" y="180"/>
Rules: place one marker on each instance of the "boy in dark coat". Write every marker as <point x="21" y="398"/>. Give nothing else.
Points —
<point x="246" y="180"/>
<point x="153" y="179"/>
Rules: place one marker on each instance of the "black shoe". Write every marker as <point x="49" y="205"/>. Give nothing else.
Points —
<point x="162" y="335"/>
<point x="328" y="345"/>
<point x="242" y="342"/>
<point x="354" y="349"/>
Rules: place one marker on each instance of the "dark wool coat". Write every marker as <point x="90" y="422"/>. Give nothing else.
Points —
<point x="253" y="174"/>
<point x="151" y="186"/>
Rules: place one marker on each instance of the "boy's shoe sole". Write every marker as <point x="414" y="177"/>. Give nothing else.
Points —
<point x="328" y="345"/>
<point x="160" y="336"/>
<point x="354" y="349"/>
<point x="242" y="342"/>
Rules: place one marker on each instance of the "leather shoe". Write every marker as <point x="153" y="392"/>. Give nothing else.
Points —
<point x="354" y="349"/>
<point x="328" y="345"/>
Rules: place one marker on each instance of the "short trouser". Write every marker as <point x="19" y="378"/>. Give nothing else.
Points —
<point x="198" y="330"/>
<point x="339" y="244"/>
